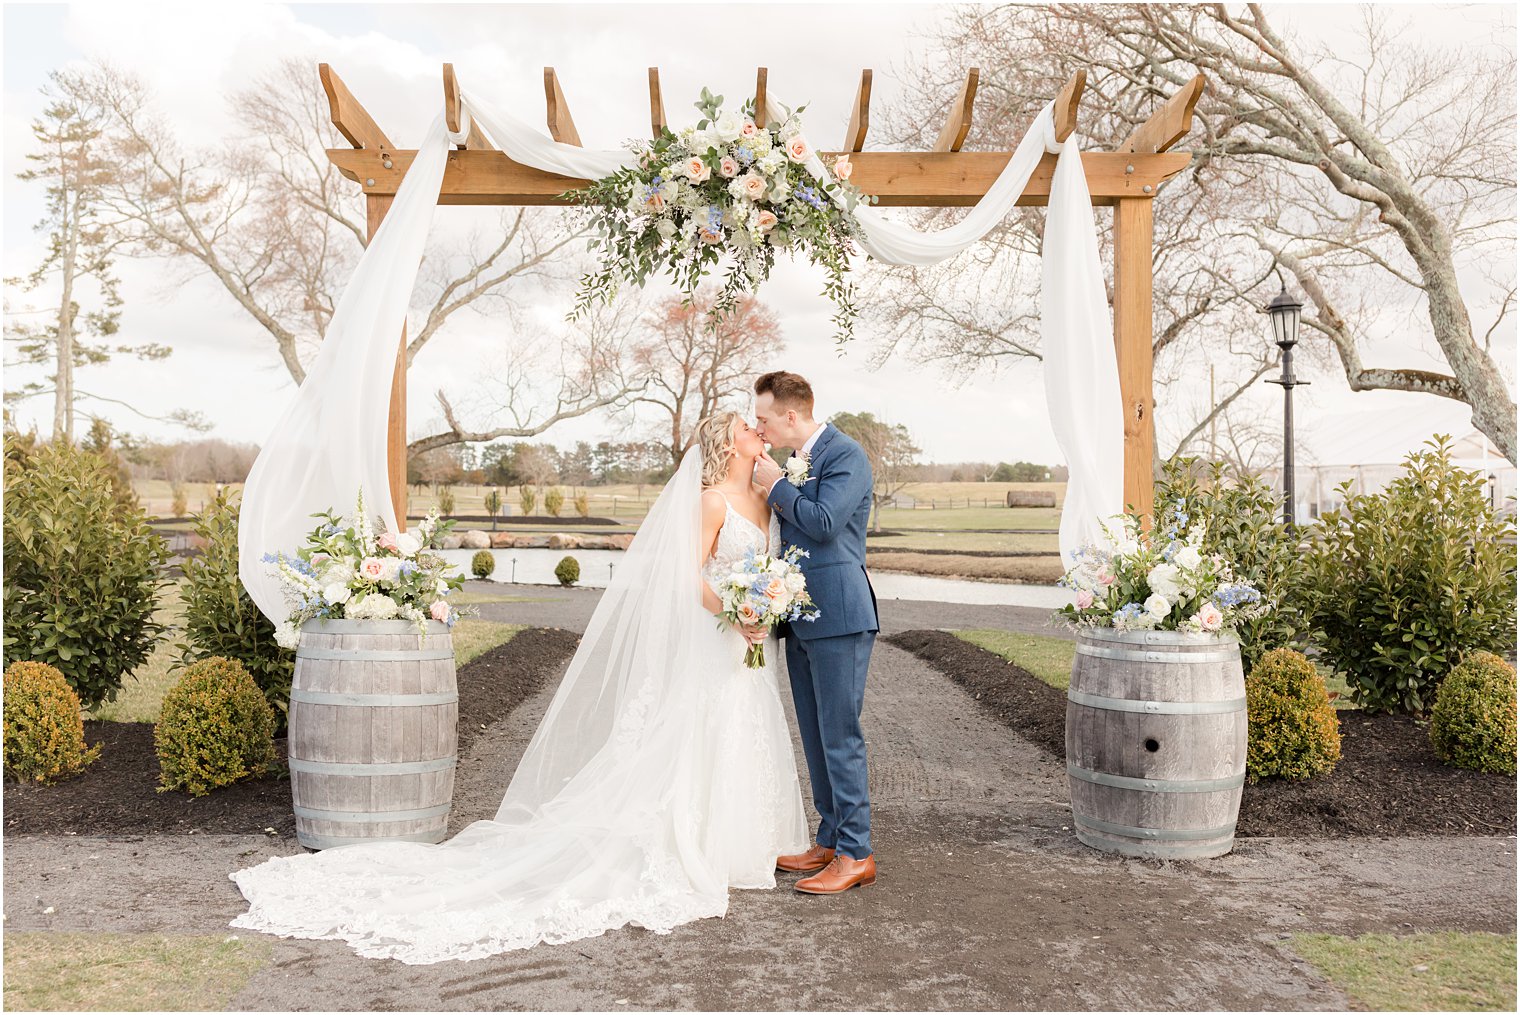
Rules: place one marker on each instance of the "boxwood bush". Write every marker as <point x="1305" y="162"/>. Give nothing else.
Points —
<point x="214" y="729"/>
<point x="83" y="571"/>
<point x="1399" y="584"/>
<point x="1292" y="729"/>
<point x="1472" y="724"/>
<point x="568" y="571"/>
<point x="44" y="735"/>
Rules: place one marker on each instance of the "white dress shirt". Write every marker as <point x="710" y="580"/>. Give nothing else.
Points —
<point x="806" y="449"/>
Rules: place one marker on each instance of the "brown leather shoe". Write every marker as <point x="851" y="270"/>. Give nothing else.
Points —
<point x="815" y="859"/>
<point x="842" y="874"/>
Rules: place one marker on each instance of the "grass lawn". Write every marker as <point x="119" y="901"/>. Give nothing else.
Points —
<point x="1046" y="657"/>
<point x="142" y="692"/>
<point x="1006" y="542"/>
<point x="1446" y="971"/>
<point x="48" y="971"/>
<point x="900" y="519"/>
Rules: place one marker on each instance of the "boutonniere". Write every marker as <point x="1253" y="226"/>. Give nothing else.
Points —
<point x="797" y="469"/>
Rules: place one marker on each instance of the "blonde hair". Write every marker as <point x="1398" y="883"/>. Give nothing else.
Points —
<point x="715" y="436"/>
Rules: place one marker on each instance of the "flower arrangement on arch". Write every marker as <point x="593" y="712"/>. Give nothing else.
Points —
<point x="349" y="571"/>
<point x="728" y="186"/>
<point x="1161" y="581"/>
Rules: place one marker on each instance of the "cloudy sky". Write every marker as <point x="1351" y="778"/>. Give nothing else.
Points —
<point x="224" y="365"/>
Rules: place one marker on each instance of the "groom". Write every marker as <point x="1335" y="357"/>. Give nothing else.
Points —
<point x="825" y="514"/>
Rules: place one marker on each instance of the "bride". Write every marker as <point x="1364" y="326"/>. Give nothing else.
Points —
<point x="661" y="776"/>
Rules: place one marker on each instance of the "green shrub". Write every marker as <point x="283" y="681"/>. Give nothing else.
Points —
<point x="493" y="504"/>
<point x="1398" y="584"/>
<point x="44" y="735"/>
<point x="221" y="619"/>
<point x="83" y="570"/>
<point x="1472" y="724"/>
<point x="445" y="501"/>
<point x="568" y="571"/>
<point x="527" y="498"/>
<point x="483" y="563"/>
<point x="214" y="728"/>
<point x="554" y="500"/>
<point x="1292" y="729"/>
<point x="583" y="504"/>
<point x="1242" y="519"/>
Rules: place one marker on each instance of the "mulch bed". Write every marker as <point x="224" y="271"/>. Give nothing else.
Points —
<point x="1388" y="781"/>
<point x="118" y="794"/>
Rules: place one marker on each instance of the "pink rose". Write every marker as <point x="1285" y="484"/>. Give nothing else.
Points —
<point x="1084" y="599"/>
<point x="748" y="614"/>
<point x="439" y="611"/>
<point x="754" y="186"/>
<point x="1105" y="578"/>
<point x="697" y="170"/>
<point x="1210" y="617"/>
<point x="386" y="540"/>
<point x="709" y="234"/>
<point x="797" y="149"/>
<point x="766" y="220"/>
<point x="728" y="167"/>
<point x="372" y="568"/>
<point x="843" y="167"/>
<point x="749" y="129"/>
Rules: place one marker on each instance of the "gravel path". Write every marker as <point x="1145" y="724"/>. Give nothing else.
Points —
<point x="985" y="899"/>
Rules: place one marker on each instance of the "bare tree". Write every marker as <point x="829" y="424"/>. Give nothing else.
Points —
<point x="274" y="223"/>
<point x="890" y="450"/>
<point x="80" y="259"/>
<point x="693" y="369"/>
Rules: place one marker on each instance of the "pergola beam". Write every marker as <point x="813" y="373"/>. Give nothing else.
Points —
<point x="1067" y="101"/>
<point x="765" y="112"/>
<point x="958" y="121"/>
<point x="656" y="104"/>
<point x="1168" y="124"/>
<point x="348" y="114"/>
<point x="452" y="111"/>
<point x="898" y="178"/>
<point x="860" y="115"/>
<point x="561" y="126"/>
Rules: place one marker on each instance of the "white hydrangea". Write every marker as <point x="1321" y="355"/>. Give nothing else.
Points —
<point x="373" y="607"/>
<point x="287" y="635"/>
<point x="1166" y="580"/>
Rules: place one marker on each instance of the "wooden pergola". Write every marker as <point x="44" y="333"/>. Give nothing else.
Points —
<point x="1127" y="178"/>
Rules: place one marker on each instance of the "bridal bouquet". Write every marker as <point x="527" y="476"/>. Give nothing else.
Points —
<point x="1161" y="581"/>
<point x="766" y="591"/>
<point x="348" y="571"/>
<point x="728" y="185"/>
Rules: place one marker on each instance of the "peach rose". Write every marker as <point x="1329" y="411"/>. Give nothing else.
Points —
<point x="655" y="201"/>
<point x="439" y="611"/>
<point x="728" y="167"/>
<point x="843" y="167"/>
<point x="696" y="170"/>
<point x="776" y="589"/>
<point x="797" y="149"/>
<point x="1210" y="617"/>
<point x="766" y="220"/>
<point x="372" y="568"/>
<point x="749" y="129"/>
<point x="748" y="614"/>
<point x="754" y="186"/>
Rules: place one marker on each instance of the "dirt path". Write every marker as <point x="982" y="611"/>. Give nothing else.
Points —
<point x="985" y="900"/>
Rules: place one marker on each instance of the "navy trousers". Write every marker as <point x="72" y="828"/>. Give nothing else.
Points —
<point x="828" y="688"/>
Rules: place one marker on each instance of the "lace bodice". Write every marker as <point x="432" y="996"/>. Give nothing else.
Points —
<point x="736" y="538"/>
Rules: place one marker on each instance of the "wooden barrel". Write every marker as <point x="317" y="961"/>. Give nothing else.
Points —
<point x="374" y="712"/>
<point x="1156" y="742"/>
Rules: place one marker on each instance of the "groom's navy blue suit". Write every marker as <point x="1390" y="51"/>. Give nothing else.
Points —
<point x="828" y="657"/>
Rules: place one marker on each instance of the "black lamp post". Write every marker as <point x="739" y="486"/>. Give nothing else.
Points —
<point x="1283" y="312"/>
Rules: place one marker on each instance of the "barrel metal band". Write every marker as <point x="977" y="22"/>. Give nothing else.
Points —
<point x="371" y="817"/>
<point x="1157" y="707"/>
<point x="372" y="700"/>
<point x="372" y="768"/>
<point x="1154" y="850"/>
<point x="1141" y="656"/>
<point x="1136" y="832"/>
<point x="374" y="655"/>
<point x="331" y="841"/>
<point x="1163" y="785"/>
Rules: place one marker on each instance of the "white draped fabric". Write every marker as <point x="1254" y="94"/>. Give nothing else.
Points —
<point x="331" y="440"/>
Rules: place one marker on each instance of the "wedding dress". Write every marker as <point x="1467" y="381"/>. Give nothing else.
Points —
<point x="661" y="776"/>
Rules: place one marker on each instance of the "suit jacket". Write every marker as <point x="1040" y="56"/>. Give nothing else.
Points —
<point x="827" y="516"/>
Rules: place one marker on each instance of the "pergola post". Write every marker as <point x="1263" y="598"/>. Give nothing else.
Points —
<point x="1133" y="239"/>
<point x="375" y="207"/>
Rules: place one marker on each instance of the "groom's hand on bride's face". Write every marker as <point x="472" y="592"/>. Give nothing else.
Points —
<point x="766" y="472"/>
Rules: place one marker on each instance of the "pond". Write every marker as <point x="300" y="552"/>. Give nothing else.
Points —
<point x="536" y="567"/>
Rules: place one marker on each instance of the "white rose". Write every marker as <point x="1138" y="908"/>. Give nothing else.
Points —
<point x="1158" y="606"/>
<point x="1187" y="557"/>
<point x="407" y="544"/>
<point x="442" y="588"/>
<point x="728" y="127"/>
<point x="777" y="567"/>
<point x="795" y="582"/>
<point x="666" y="228"/>
<point x="336" y="593"/>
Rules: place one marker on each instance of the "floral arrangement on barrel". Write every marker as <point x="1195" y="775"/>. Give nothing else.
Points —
<point x="729" y="185"/>
<point x="349" y="571"/>
<point x="1162" y="581"/>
